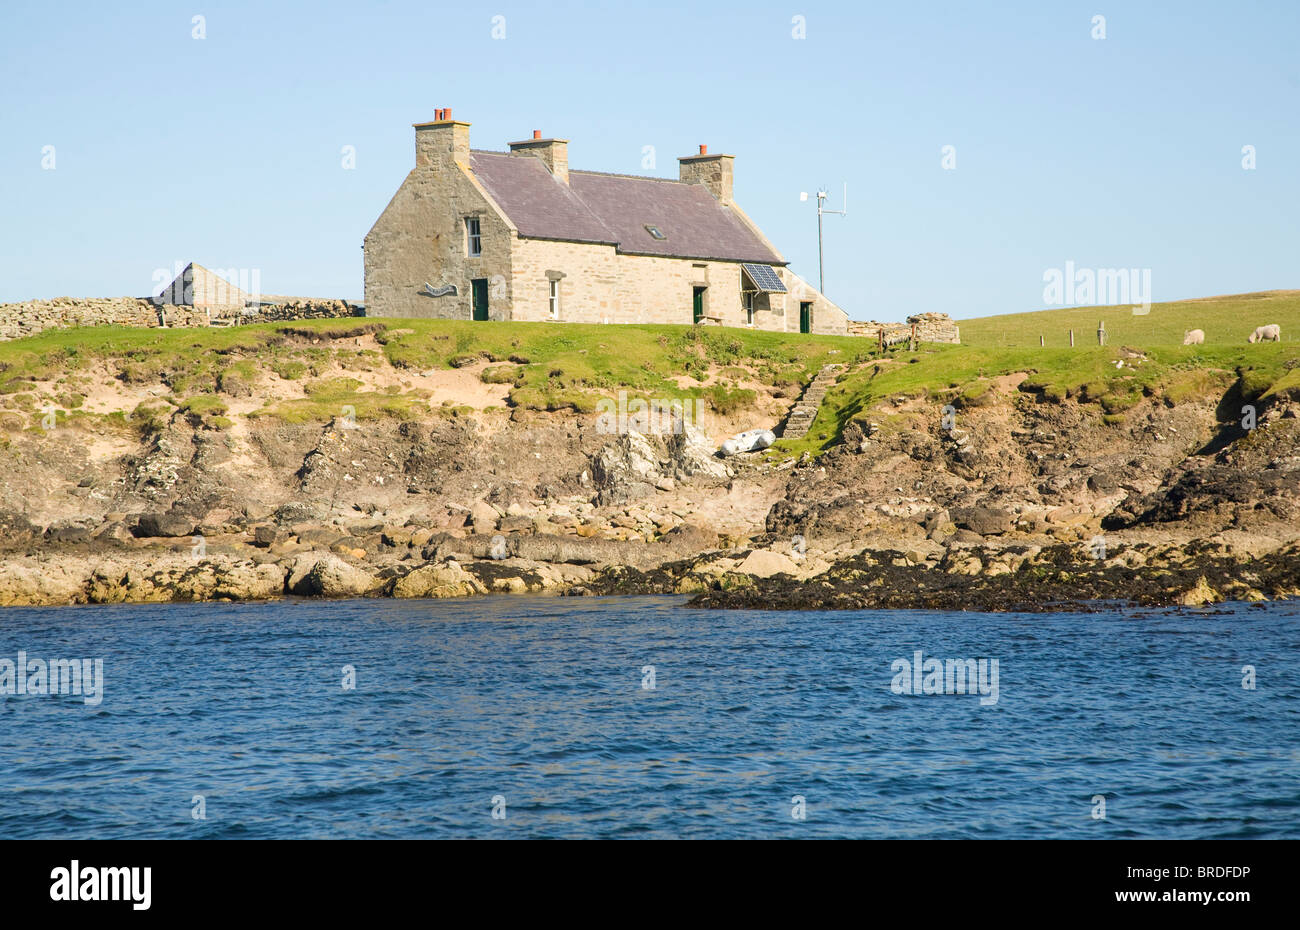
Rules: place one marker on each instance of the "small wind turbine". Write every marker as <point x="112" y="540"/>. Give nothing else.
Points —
<point x="821" y="210"/>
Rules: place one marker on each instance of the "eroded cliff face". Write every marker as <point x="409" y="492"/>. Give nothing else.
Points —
<point x="472" y="501"/>
<point x="1021" y="467"/>
<point x="1030" y="505"/>
<point x="188" y="512"/>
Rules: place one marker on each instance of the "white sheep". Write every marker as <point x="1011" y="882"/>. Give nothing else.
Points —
<point x="1270" y="333"/>
<point x="1194" y="337"/>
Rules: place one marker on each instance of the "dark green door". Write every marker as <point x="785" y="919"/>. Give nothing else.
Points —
<point x="698" y="312"/>
<point x="478" y="288"/>
<point x="805" y="318"/>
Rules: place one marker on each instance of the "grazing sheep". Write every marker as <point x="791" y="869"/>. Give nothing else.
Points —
<point x="1270" y="333"/>
<point x="1194" y="337"/>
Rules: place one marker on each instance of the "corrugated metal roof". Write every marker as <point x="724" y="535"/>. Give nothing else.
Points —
<point x="615" y="208"/>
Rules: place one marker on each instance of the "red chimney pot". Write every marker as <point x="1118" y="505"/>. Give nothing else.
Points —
<point x="537" y="133"/>
<point x="446" y="113"/>
<point x="704" y="149"/>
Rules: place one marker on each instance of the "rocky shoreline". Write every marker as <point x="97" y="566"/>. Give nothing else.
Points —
<point x="1054" y="580"/>
<point x="1029" y="502"/>
<point x="420" y="564"/>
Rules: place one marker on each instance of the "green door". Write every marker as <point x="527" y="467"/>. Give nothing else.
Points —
<point x="478" y="288"/>
<point x="805" y="317"/>
<point x="698" y="313"/>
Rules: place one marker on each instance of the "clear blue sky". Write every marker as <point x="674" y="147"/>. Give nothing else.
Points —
<point x="1122" y="152"/>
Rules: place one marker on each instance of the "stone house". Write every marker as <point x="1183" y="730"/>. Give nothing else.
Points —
<point x="197" y="286"/>
<point x="518" y="235"/>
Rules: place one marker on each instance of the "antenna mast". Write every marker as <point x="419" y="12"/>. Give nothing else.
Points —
<point x="821" y="211"/>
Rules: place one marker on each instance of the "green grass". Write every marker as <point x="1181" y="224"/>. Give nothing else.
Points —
<point x="961" y="375"/>
<point x="331" y="398"/>
<point x="204" y="405"/>
<point x="1225" y="320"/>
<point x="570" y="365"/>
<point x="289" y="370"/>
<point x="1225" y="367"/>
<point x="573" y="366"/>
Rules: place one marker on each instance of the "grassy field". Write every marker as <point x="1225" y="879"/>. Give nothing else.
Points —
<point x="1225" y="320"/>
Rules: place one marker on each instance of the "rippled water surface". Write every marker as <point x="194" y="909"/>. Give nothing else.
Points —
<point x="541" y="702"/>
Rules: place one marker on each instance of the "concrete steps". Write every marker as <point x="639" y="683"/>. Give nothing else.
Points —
<point x="802" y="414"/>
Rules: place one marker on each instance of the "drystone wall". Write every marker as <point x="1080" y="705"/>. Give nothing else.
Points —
<point x="930" y="327"/>
<point x="31" y="317"/>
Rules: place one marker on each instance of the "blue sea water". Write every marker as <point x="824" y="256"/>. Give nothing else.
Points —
<point x="541" y="704"/>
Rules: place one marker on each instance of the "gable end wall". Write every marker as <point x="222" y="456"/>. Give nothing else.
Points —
<point x="420" y="237"/>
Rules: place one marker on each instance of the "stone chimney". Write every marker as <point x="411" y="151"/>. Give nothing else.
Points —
<point x="713" y="171"/>
<point x="441" y="143"/>
<point x="554" y="153"/>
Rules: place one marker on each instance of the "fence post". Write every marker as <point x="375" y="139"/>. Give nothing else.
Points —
<point x="1101" y="332"/>
<point x="1040" y="340"/>
<point x="1071" y="339"/>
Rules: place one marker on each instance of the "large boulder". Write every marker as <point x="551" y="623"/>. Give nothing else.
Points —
<point x="40" y="582"/>
<point x="318" y="537"/>
<point x="517" y="524"/>
<point x="245" y="581"/>
<point x="987" y="521"/>
<point x="266" y="535"/>
<point x="763" y="563"/>
<point x="330" y="576"/>
<point x="115" y="532"/>
<point x="15" y="529"/>
<point x="691" y="454"/>
<point x="628" y="460"/>
<point x="68" y="533"/>
<point x="689" y="539"/>
<point x="483" y="516"/>
<point x="170" y="524"/>
<point x="551" y="548"/>
<point x="446" y="579"/>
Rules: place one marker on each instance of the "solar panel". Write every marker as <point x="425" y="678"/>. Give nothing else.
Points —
<point x="765" y="278"/>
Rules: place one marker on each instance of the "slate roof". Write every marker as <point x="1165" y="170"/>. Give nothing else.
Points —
<point x="615" y="209"/>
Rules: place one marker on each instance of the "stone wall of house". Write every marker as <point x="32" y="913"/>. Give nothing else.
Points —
<point x="930" y="327"/>
<point x="827" y="317"/>
<point x="31" y="317"/>
<point x="599" y="285"/>
<point x="420" y="237"/>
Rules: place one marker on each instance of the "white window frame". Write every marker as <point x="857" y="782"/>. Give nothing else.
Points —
<point x="473" y="237"/>
<point x="553" y="299"/>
